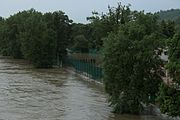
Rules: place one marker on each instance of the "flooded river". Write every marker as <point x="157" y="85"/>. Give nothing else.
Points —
<point x="53" y="94"/>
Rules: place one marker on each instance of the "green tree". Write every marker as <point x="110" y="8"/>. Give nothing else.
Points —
<point x="81" y="44"/>
<point x="131" y="64"/>
<point x="168" y="28"/>
<point x="169" y="95"/>
<point x="39" y="38"/>
<point x="38" y="43"/>
<point x="169" y="100"/>
<point x="4" y="44"/>
<point x="103" y="24"/>
<point x="59" y="22"/>
<point x="174" y="57"/>
<point x="11" y="36"/>
<point x="79" y="29"/>
<point x="12" y="27"/>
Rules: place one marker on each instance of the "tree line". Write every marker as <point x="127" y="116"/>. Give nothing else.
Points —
<point x="172" y="14"/>
<point x="131" y="43"/>
<point x="37" y="37"/>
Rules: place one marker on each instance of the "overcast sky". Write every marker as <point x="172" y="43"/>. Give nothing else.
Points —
<point x="78" y="10"/>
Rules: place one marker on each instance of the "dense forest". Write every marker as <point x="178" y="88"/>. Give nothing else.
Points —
<point x="131" y="43"/>
<point x="173" y="15"/>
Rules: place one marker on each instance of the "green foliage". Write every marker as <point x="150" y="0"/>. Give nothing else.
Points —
<point x="174" y="57"/>
<point x="62" y="29"/>
<point x="12" y="37"/>
<point x="82" y="31"/>
<point x="169" y="100"/>
<point x="173" y="15"/>
<point x="81" y="44"/>
<point x="4" y="49"/>
<point x="169" y="95"/>
<point x="168" y="28"/>
<point x="103" y="24"/>
<point x="36" y="37"/>
<point x="131" y="64"/>
<point x="60" y="24"/>
<point x="38" y="42"/>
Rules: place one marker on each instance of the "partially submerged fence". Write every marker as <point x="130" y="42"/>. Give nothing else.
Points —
<point x="85" y="64"/>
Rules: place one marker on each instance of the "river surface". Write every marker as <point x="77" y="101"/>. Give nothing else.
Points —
<point x="51" y="94"/>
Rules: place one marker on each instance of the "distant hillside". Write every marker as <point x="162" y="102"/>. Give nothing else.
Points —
<point x="173" y="14"/>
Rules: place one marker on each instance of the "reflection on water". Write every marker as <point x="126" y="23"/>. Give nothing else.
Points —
<point x="39" y="94"/>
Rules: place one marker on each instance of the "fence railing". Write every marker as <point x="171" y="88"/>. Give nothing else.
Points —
<point x="86" y="67"/>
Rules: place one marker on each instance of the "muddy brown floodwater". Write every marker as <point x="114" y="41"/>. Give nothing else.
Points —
<point x="51" y="94"/>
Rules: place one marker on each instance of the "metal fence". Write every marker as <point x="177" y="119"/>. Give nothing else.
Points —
<point x="84" y="66"/>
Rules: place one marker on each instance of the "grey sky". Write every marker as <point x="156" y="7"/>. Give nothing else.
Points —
<point x="78" y="10"/>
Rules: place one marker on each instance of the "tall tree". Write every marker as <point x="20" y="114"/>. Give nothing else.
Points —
<point x="38" y="43"/>
<point x="169" y="95"/>
<point x="59" y="22"/>
<point x="131" y="64"/>
<point x="103" y="24"/>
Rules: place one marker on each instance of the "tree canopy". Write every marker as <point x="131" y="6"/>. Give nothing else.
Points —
<point x="131" y="64"/>
<point x="39" y="38"/>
